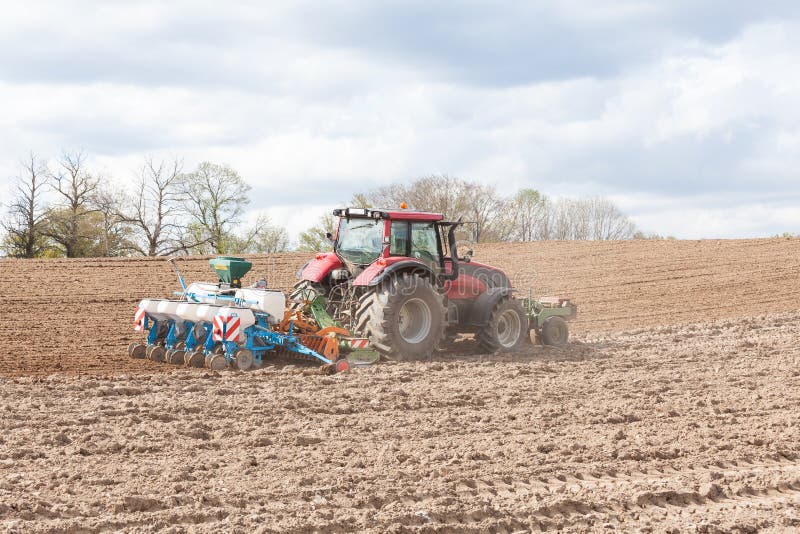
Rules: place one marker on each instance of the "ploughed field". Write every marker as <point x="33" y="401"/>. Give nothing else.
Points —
<point x="675" y="405"/>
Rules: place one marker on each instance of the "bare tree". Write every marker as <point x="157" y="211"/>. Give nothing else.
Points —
<point x="360" y="200"/>
<point x="26" y="212"/>
<point x="382" y="197"/>
<point x="593" y="218"/>
<point x="76" y="188"/>
<point x="608" y="221"/>
<point x="314" y="239"/>
<point x="268" y="240"/>
<point x="528" y="213"/>
<point x="454" y="197"/>
<point x="441" y="194"/>
<point x="214" y="198"/>
<point x="261" y="238"/>
<point x="484" y="208"/>
<point x="113" y="236"/>
<point x="155" y="208"/>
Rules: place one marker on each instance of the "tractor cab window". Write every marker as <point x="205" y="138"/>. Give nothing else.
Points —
<point x="360" y="241"/>
<point x="399" y="245"/>
<point x="424" y="244"/>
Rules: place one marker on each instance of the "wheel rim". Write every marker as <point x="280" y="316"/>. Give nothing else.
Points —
<point x="415" y="321"/>
<point x="508" y="328"/>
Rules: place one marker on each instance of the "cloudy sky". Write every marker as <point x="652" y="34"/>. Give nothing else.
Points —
<point x="686" y="112"/>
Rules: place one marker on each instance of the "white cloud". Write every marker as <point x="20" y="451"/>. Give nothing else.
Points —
<point x="308" y="121"/>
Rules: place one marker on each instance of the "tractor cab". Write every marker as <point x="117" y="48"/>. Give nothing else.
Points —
<point x="365" y="236"/>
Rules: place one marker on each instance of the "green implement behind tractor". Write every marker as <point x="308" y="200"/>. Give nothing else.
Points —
<point x="548" y="318"/>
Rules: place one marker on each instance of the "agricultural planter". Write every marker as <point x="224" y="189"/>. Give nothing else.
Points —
<point x="221" y="325"/>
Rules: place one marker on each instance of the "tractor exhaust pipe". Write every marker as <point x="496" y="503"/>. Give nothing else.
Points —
<point x="451" y="244"/>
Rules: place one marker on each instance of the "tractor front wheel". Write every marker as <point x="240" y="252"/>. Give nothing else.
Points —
<point x="507" y="328"/>
<point x="404" y="318"/>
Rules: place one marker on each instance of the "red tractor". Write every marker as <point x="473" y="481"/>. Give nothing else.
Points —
<point x="395" y="278"/>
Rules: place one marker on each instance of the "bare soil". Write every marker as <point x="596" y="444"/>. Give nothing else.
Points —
<point x="675" y="407"/>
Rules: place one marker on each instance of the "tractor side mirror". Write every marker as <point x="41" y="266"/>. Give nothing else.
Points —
<point x="329" y="236"/>
<point x="468" y="257"/>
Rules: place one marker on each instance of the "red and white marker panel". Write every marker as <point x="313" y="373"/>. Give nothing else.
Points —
<point x="358" y="343"/>
<point x="226" y="328"/>
<point x="232" y="328"/>
<point x="138" y="319"/>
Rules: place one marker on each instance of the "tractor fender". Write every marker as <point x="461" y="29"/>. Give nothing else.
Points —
<point x="381" y="270"/>
<point x="485" y="303"/>
<point x="317" y="269"/>
<point x="299" y="273"/>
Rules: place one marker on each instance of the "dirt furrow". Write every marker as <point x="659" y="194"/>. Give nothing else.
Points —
<point x="673" y="408"/>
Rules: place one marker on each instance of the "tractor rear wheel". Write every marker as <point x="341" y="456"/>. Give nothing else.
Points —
<point x="555" y="331"/>
<point x="404" y="317"/>
<point x="506" y="329"/>
<point x="304" y="292"/>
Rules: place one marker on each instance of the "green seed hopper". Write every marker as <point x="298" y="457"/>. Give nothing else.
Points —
<point x="230" y="270"/>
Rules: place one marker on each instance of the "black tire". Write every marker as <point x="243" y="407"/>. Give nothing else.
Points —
<point x="507" y="328"/>
<point x="555" y="331"/>
<point x="404" y="318"/>
<point x="304" y="291"/>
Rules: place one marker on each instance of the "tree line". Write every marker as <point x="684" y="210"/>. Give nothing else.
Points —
<point x="65" y="208"/>
<point x="490" y="216"/>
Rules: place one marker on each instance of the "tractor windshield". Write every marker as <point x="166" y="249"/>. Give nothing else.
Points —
<point x="360" y="240"/>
